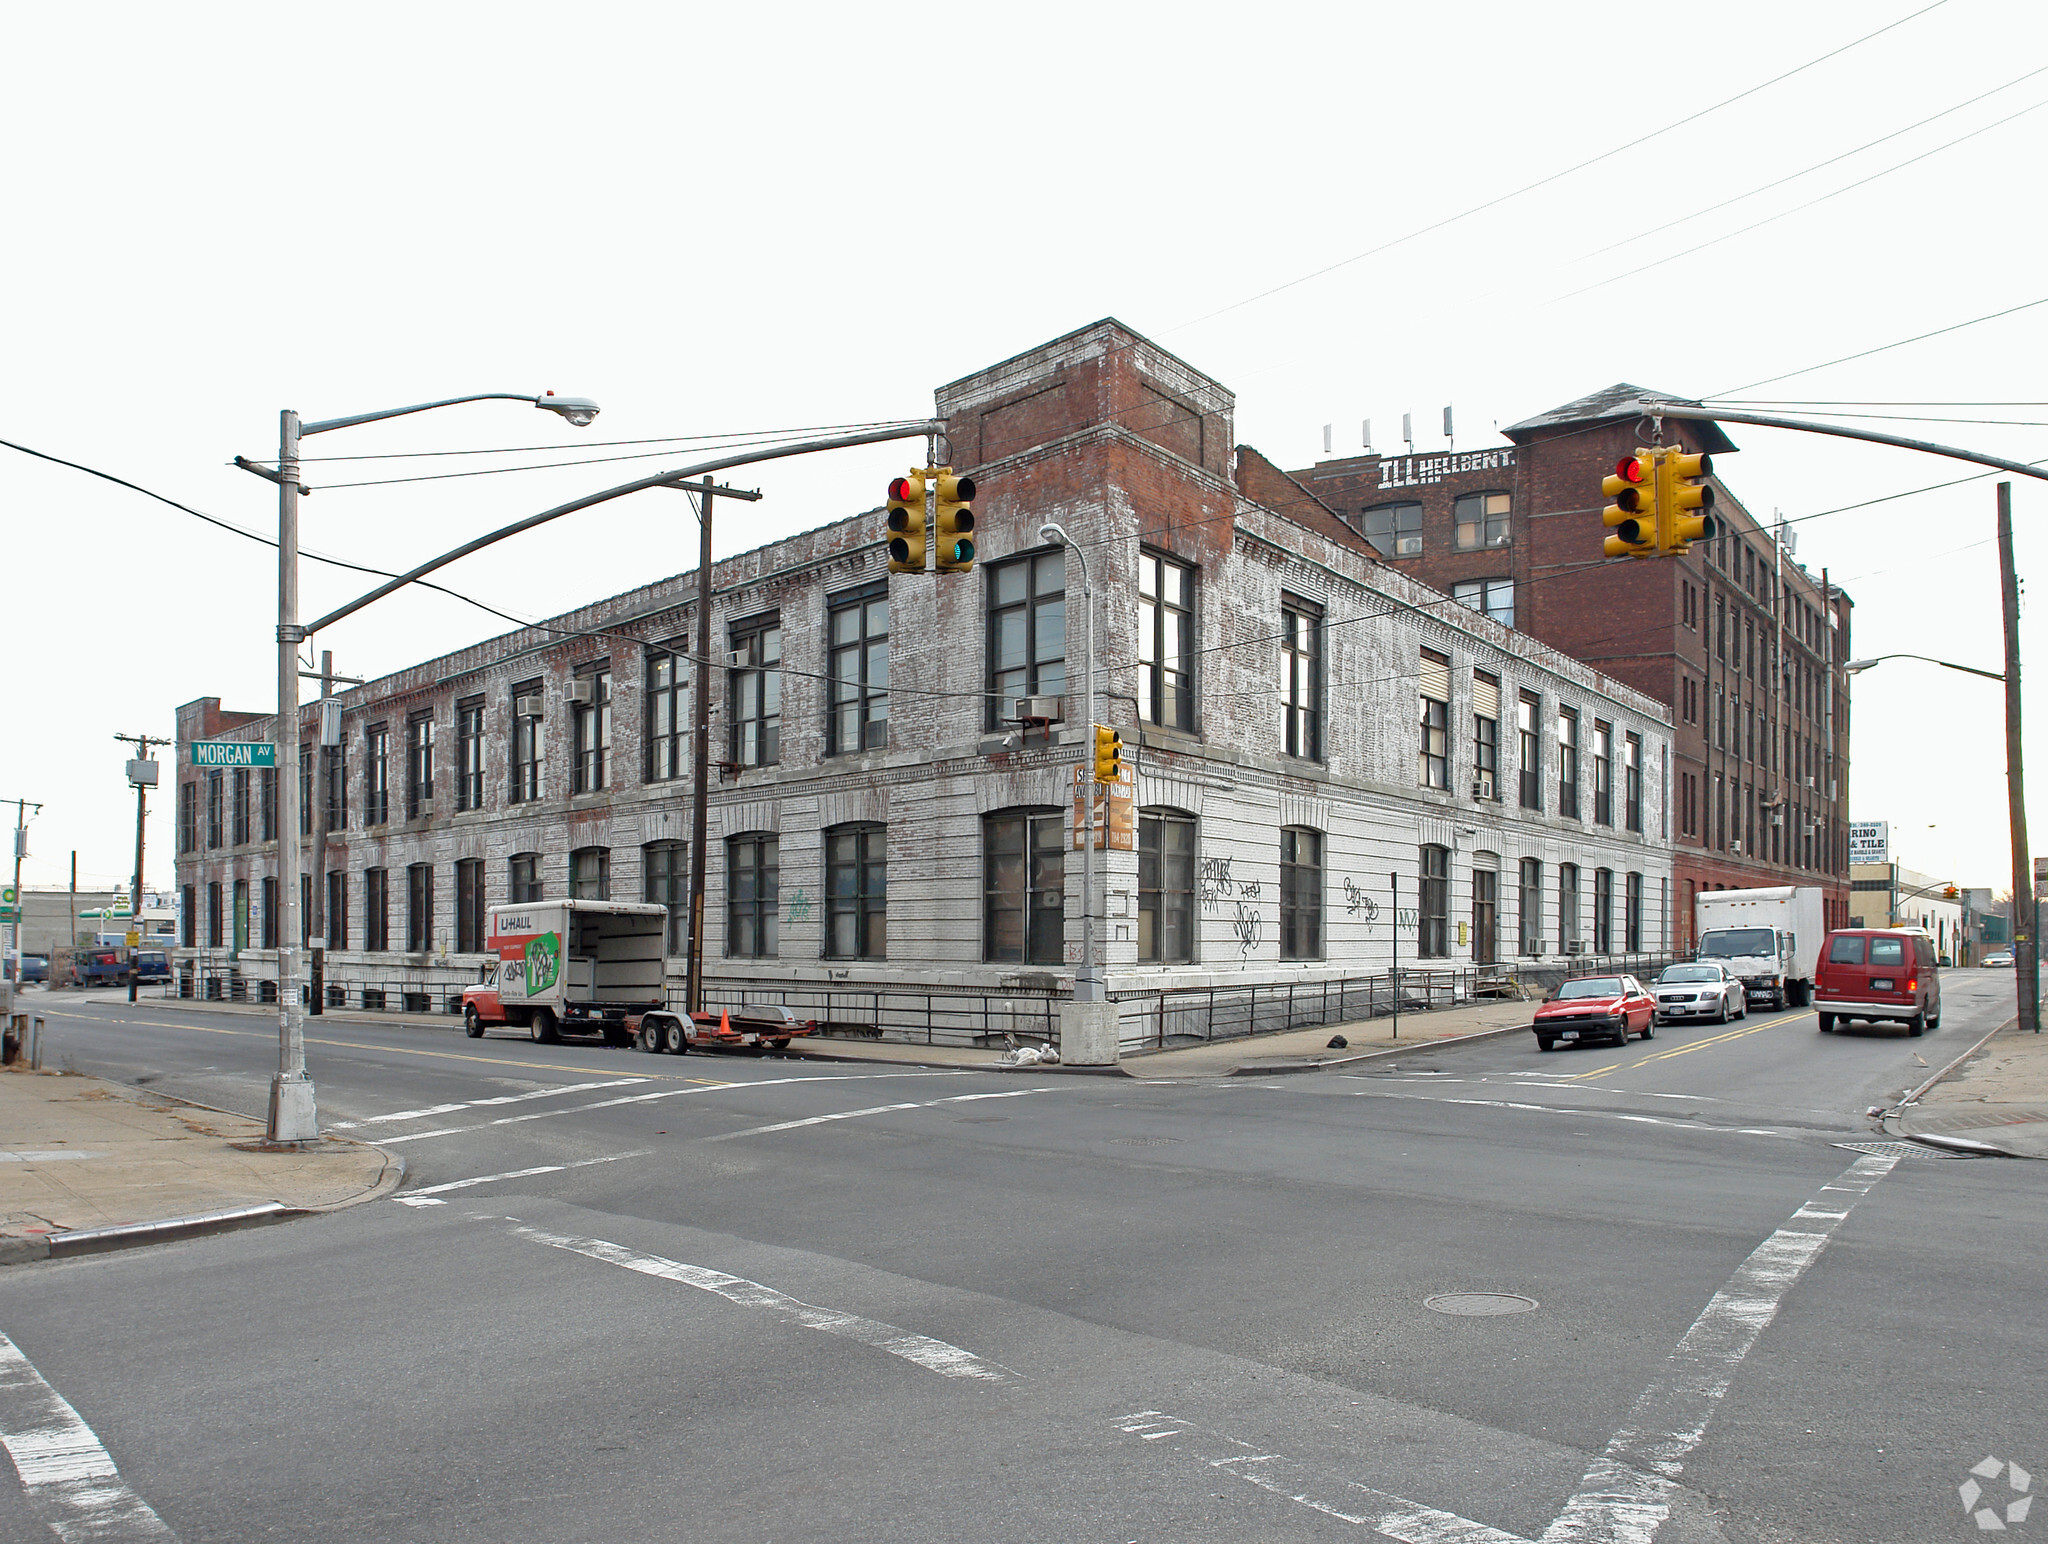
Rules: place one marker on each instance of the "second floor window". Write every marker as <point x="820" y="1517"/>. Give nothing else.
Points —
<point x="668" y="704"/>
<point x="1301" y="681"/>
<point x="1603" y="773"/>
<point x="188" y="819"/>
<point x="419" y="766"/>
<point x="469" y="754"/>
<point x="1632" y="781"/>
<point x="859" y="668"/>
<point x="592" y="725"/>
<point x="1494" y="597"/>
<point x="214" y="809"/>
<point x="1529" y="743"/>
<point x="1433" y="765"/>
<point x="1166" y="642"/>
<point x="266" y="803"/>
<point x="1027" y="632"/>
<point x="756" y="677"/>
<point x="1395" y="530"/>
<point x="336" y="759"/>
<point x="1485" y="735"/>
<point x="241" y="806"/>
<point x="377" y="776"/>
<point x="526" y="742"/>
<point x="1568" y="763"/>
<point x="1480" y="520"/>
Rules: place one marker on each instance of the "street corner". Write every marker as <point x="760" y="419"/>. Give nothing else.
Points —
<point x="1993" y="1097"/>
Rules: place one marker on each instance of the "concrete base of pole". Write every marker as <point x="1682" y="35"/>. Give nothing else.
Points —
<point x="294" y="1116"/>
<point x="1088" y="1034"/>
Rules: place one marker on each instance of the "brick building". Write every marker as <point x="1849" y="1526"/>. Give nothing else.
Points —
<point x="1736" y="638"/>
<point x="1310" y="730"/>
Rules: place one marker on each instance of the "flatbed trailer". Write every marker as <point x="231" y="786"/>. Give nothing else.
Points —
<point x="755" y="1027"/>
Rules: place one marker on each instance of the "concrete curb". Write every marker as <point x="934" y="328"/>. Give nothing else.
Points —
<point x="1892" y="1119"/>
<point x="1253" y="1070"/>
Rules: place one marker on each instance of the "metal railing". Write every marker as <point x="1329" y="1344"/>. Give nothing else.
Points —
<point x="1184" y="1015"/>
<point x="212" y="983"/>
<point x="933" y="1016"/>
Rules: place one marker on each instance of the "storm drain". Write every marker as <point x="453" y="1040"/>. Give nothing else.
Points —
<point x="1479" y="1305"/>
<point x="1904" y="1150"/>
<point x="1143" y="1141"/>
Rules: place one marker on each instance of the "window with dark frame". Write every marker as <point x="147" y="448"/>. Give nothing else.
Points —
<point x="376" y="910"/>
<point x="668" y="708"/>
<point x="188" y="817"/>
<point x="857" y="892"/>
<point x="215" y="938"/>
<point x="214" y="802"/>
<point x="590" y="727"/>
<point x="337" y="909"/>
<point x="270" y="923"/>
<point x="1529" y="744"/>
<point x="1632" y="914"/>
<point x="1603" y="911"/>
<point x="857" y="624"/>
<point x="188" y="920"/>
<point x="1567" y="907"/>
<point x="1027" y="631"/>
<point x="336" y="758"/>
<point x="1166" y="887"/>
<point x="1301" y="679"/>
<point x="419" y="765"/>
<point x="469" y="754"/>
<point x="1530" y="905"/>
<point x="419" y="908"/>
<point x="1024" y="887"/>
<point x="469" y="906"/>
<point x="240" y="804"/>
<point x="266" y="802"/>
<point x="1494" y="598"/>
<point x="1632" y="781"/>
<point x="527" y="741"/>
<point x="1395" y="530"/>
<point x="756" y="692"/>
<point x="305" y="789"/>
<point x="1568" y="762"/>
<point x="1433" y="760"/>
<point x="752" y="896"/>
<point x="377" y="775"/>
<point x="590" y="874"/>
<point x="1486" y="734"/>
<point x="1603" y="773"/>
<point x="1433" y="904"/>
<point x="1301" y="893"/>
<point x="1166" y="642"/>
<point x="665" y="871"/>
<point x="523" y="883"/>
<point x="305" y="910"/>
<point x="1485" y="915"/>
<point x="1480" y="520"/>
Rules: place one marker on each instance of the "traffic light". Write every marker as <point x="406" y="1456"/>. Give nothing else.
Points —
<point x="906" y="524"/>
<point x="1109" y="754"/>
<point x="1950" y="893"/>
<point x="1678" y="496"/>
<point x="954" y="519"/>
<point x="1632" y="515"/>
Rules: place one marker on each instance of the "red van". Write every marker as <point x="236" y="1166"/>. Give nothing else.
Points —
<point x="1878" y="975"/>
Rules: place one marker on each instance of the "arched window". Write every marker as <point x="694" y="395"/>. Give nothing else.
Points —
<point x="1166" y="887"/>
<point x="856" y="892"/>
<point x="1024" y="886"/>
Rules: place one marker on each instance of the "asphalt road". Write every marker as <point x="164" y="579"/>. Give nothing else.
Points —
<point x="770" y="1300"/>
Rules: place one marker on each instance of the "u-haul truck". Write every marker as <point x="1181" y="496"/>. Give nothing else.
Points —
<point x="589" y="966"/>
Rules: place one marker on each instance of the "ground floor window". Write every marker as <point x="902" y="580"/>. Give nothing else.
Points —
<point x="1485" y="915"/>
<point x="666" y="870"/>
<point x="1433" y="904"/>
<point x="1632" y="915"/>
<point x="524" y="886"/>
<point x="590" y="874"/>
<point x="337" y="909"/>
<point x="752" y="894"/>
<point x="1531" y="901"/>
<point x="376" y="909"/>
<point x="1024" y="887"/>
<point x="856" y="892"/>
<point x="1301" y="893"/>
<point x="1603" y="911"/>
<point x="1166" y="887"/>
<point x="469" y="906"/>
<point x="419" y="908"/>
<point x="1567" y="908"/>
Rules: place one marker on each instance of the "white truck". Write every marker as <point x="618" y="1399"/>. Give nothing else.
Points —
<point x="593" y="966"/>
<point x="1769" y="937"/>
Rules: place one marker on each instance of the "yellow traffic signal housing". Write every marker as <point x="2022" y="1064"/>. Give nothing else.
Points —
<point x="953" y="519"/>
<point x="1678" y="497"/>
<point x="1632" y="516"/>
<point x="906" y="524"/>
<point x="1109" y="754"/>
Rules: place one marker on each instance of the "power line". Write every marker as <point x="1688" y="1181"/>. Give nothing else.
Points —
<point x="735" y="435"/>
<point x="1881" y="348"/>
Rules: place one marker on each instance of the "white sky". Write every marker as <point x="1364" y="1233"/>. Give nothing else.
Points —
<point x="729" y="218"/>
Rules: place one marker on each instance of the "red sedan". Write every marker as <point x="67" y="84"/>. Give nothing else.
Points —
<point x="1596" y="1008"/>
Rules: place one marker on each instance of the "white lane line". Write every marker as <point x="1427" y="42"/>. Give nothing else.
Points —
<point x="1346" y="1500"/>
<point x="1583" y="1112"/>
<point x="659" y="1093"/>
<point x="67" y="1475"/>
<point x="545" y="1168"/>
<point x="934" y="1355"/>
<point x="880" y="1109"/>
<point x="470" y="1104"/>
<point x="56" y="1156"/>
<point x="1626" y="1494"/>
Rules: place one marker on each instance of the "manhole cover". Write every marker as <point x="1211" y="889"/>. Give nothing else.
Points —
<point x="1903" y="1150"/>
<point x="1143" y="1141"/>
<point x="1479" y="1305"/>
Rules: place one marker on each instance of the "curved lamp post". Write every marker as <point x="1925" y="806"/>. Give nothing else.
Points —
<point x="1088" y="987"/>
<point x="1857" y="666"/>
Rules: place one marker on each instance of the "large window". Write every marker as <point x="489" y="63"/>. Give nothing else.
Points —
<point x="756" y="677"/>
<point x="469" y="754"/>
<point x="522" y="884"/>
<point x="336" y="759"/>
<point x="752" y="896"/>
<point x="377" y="776"/>
<point x="1166" y="642"/>
<point x="1632" y="915"/>
<point x="469" y="906"/>
<point x="266" y="802"/>
<point x="1301" y="680"/>
<point x="1485" y="911"/>
<point x="272" y="924"/>
<point x="1568" y="763"/>
<point x="857" y="892"/>
<point x="1024" y="887"/>
<point x="590" y="874"/>
<point x="419" y="765"/>
<point x="665" y="867"/>
<point x="239" y="801"/>
<point x="668" y="703"/>
<point x="1485" y="735"/>
<point x="527" y="741"/>
<point x="1301" y="893"/>
<point x="188" y="817"/>
<point x="1480" y="520"/>
<point x="1494" y="597"/>
<point x="305" y="789"/>
<point x="188" y="914"/>
<point x="1567" y="908"/>
<point x="1632" y="781"/>
<point x="1531" y="903"/>
<point x="1530" y="744"/>
<point x="1395" y="530"/>
<point x="1603" y="911"/>
<point x="1166" y="887"/>
<point x="216" y="936"/>
<point x="1433" y="764"/>
<point x="1027" y="632"/>
<point x="1433" y="904"/>
<point x="857" y="718"/>
<point x="419" y="908"/>
<point x="376" y="909"/>
<point x="1603" y="773"/>
<point x="591" y="727"/>
<point x="214" y="810"/>
<point x="337" y="909"/>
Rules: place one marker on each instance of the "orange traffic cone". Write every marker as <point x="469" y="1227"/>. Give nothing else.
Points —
<point x="724" y="1024"/>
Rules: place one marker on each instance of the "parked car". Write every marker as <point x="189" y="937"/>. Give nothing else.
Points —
<point x="25" y="968"/>
<point x="1998" y="959"/>
<point x="1595" y="1008"/>
<point x="1878" y="975"/>
<point x="152" y="965"/>
<point x="1705" y="990"/>
<point x="99" y="966"/>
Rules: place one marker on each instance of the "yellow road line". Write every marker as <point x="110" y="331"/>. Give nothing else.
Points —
<point x="1574" y="1077"/>
<point x="1701" y="1045"/>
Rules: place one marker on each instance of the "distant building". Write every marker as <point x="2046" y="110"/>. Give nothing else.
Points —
<point x="1892" y="895"/>
<point x="1760" y="762"/>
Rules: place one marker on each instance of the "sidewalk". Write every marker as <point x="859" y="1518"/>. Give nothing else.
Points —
<point x="1998" y="1097"/>
<point x="86" y="1165"/>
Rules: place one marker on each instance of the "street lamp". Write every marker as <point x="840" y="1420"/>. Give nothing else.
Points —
<point x="1088" y="987"/>
<point x="1858" y="666"/>
<point x="294" y="1115"/>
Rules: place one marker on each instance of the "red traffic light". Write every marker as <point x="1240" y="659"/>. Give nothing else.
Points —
<point x="902" y="491"/>
<point x="1629" y="469"/>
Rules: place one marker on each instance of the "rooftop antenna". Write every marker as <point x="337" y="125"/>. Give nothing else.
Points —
<point x="1448" y="435"/>
<point x="1408" y="431"/>
<point x="1365" y="434"/>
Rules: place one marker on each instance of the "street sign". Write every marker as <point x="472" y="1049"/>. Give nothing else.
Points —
<point x="1115" y="813"/>
<point x="1869" y="841"/>
<point x="233" y="753"/>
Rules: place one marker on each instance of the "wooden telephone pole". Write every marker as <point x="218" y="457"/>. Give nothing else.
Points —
<point x="142" y="775"/>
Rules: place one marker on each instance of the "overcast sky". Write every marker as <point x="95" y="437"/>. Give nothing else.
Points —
<point x="718" y="219"/>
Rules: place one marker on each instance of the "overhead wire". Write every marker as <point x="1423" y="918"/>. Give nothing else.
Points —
<point x="1974" y="321"/>
<point x="665" y="439"/>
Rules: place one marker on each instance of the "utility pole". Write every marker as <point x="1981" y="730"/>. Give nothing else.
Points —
<point x="2026" y="946"/>
<point x="141" y="773"/>
<point x="316" y="1001"/>
<point x="21" y="809"/>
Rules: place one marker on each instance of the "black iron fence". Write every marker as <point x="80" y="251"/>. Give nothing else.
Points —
<point x="932" y="1016"/>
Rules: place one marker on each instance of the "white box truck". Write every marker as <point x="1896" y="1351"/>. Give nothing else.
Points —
<point x="1769" y="937"/>
<point x="594" y="966"/>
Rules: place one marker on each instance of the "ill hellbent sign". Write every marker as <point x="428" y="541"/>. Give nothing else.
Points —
<point x="233" y="753"/>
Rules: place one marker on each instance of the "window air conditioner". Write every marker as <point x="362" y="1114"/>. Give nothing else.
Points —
<point x="736" y="659"/>
<point x="1038" y="707"/>
<point x="1407" y="546"/>
<point x="1575" y="946"/>
<point x="1482" y="788"/>
<point x="526" y="707"/>
<point x="583" y="690"/>
<point x="1736" y="847"/>
<point x="1500" y="541"/>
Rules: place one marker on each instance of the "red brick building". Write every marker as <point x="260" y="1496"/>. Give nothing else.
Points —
<point x="1737" y="637"/>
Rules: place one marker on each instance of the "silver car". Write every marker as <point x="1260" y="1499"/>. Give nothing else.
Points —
<point x="1704" y="990"/>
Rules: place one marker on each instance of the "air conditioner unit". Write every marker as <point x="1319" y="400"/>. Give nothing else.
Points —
<point x="1501" y="541"/>
<point x="526" y="707"/>
<point x="1408" y="547"/>
<point x="1809" y="782"/>
<point x="1736" y="847"/>
<point x="1482" y="787"/>
<point x="737" y="659"/>
<point x="583" y="690"/>
<point x="1575" y="946"/>
<point x="1038" y="707"/>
